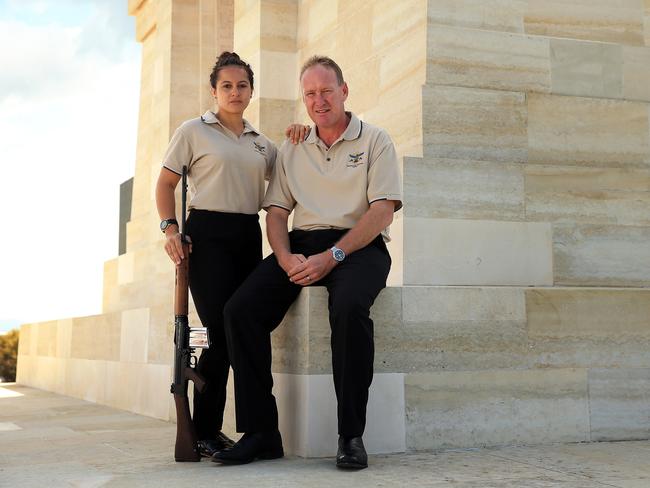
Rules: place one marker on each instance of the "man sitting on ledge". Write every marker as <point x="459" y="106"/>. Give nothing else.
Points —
<point x="343" y="184"/>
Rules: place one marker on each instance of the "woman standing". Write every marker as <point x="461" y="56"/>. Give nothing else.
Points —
<point x="228" y="161"/>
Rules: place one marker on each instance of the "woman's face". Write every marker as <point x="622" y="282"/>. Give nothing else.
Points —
<point x="233" y="92"/>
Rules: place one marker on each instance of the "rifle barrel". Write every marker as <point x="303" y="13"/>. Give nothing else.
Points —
<point x="183" y="202"/>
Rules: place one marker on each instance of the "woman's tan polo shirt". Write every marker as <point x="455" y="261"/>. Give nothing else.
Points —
<point x="332" y="188"/>
<point x="226" y="173"/>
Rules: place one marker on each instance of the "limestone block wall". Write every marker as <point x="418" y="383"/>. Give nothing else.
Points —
<point x="526" y="256"/>
<point x="545" y="137"/>
<point x="521" y="265"/>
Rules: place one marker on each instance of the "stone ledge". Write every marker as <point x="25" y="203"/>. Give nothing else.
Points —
<point x="496" y="348"/>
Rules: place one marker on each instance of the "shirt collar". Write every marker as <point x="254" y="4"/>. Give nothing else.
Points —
<point x="209" y="117"/>
<point x="351" y="132"/>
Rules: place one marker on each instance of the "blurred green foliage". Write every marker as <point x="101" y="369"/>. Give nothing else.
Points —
<point x="8" y="355"/>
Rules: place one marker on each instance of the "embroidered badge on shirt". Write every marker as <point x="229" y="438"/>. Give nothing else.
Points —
<point x="355" y="160"/>
<point x="259" y="148"/>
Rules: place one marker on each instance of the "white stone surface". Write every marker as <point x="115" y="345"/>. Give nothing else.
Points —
<point x="500" y="407"/>
<point x="487" y="59"/>
<point x="472" y="252"/>
<point x="307" y="414"/>
<point x="448" y="305"/>
<point x="590" y="69"/>
<point x="63" y="338"/>
<point x="491" y="15"/>
<point x="44" y="372"/>
<point x="125" y="266"/>
<point x="601" y="255"/>
<point x="7" y="393"/>
<point x="636" y="70"/>
<point x="619" y="403"/>
<point x="155" y="380"/>
<point x="93" y="445"/>
<point x="85" y="379"/>
<point x="279" y="75"/>
<point x="134" y="335"/>
<point x="458" y="189"/>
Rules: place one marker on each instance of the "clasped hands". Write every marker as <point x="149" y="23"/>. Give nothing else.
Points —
<point x="306" y="271"/>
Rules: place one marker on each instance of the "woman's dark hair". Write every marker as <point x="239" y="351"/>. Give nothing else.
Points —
<point x="226" y="59"/>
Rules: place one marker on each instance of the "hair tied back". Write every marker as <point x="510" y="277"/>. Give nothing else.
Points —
<point x="225" y="59"/>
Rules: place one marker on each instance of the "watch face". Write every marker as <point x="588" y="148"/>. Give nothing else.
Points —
<point x="166" y="223"/>
<point x="339" y="255"/>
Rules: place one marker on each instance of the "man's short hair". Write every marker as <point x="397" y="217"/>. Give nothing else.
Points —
<point x="325" y="62"/>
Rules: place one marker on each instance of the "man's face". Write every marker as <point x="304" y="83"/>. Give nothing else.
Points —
<point x="323" y="97"/>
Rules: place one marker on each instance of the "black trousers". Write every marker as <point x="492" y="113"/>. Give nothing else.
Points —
<point x="259" y="305"/>
<point x="225" y="249"/>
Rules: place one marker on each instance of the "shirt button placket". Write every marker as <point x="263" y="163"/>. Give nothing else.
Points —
<point x="328" y="160"/>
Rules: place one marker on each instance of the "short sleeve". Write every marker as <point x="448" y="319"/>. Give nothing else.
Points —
<point x="271" y="157"/>
<point x="179" y="152"/>
<point x="384" y="179"/>
<point x="278" y="193"/>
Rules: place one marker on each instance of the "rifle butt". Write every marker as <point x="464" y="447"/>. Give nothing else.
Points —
<point x="186" y="448"/>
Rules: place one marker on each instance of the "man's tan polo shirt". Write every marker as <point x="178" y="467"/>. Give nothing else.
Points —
<point x="226" y="173"/>
<point x="332" y="188"/>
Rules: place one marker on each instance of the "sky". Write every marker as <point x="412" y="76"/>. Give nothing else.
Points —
<point x="69" y="91"/>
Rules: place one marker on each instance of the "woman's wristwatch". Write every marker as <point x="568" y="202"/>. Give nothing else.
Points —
<point x="166" y="223"/>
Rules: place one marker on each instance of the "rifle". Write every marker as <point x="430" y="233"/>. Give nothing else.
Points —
<point x="186" y="340"/>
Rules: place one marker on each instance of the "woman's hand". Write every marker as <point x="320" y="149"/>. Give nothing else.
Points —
<point x="297" y="133"/>
<point x="289" y="261"/>
<point x="174" y="246"/>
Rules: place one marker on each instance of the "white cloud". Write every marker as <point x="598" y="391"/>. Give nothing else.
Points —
<point x="37" y="60"/>
<point x="68" y="121"/>
<point x="47" y="58"/>
<point x="36" y="6"/>
<point x="109" y="30"/>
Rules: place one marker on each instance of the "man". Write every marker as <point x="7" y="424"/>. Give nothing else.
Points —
<point x="343" y="184"/>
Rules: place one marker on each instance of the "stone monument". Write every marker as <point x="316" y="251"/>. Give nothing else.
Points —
<point x="519" y="305"/>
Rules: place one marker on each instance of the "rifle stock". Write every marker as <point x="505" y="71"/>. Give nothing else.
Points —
<point x="186" y="448"/>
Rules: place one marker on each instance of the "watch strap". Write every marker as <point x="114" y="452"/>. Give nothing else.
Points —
<point x="166" y="223"/>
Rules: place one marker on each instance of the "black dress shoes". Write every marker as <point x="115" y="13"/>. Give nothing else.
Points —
<point x="208" y="447"/>
<point x="351" y="453"/>
<point x="256" y="445"/>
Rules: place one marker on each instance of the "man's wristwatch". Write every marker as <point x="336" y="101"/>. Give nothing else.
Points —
<point x="338" y="254"/>
<point x="166" y="223"/>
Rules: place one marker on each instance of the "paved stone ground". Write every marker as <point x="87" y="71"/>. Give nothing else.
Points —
<point x="48" y="440"/>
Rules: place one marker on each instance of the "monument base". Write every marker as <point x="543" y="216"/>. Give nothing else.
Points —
<point x="455" y="367"/>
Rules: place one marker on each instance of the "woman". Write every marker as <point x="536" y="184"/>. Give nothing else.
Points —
<point x="228" y="161"/>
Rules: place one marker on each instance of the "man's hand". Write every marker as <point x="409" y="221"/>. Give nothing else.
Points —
<point x="313" y="269"/>
<point x="289" y="261"/>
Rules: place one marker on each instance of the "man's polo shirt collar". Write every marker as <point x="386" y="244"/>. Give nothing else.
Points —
<point x="209" y="117"/>
<point x="352" y="131"/>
